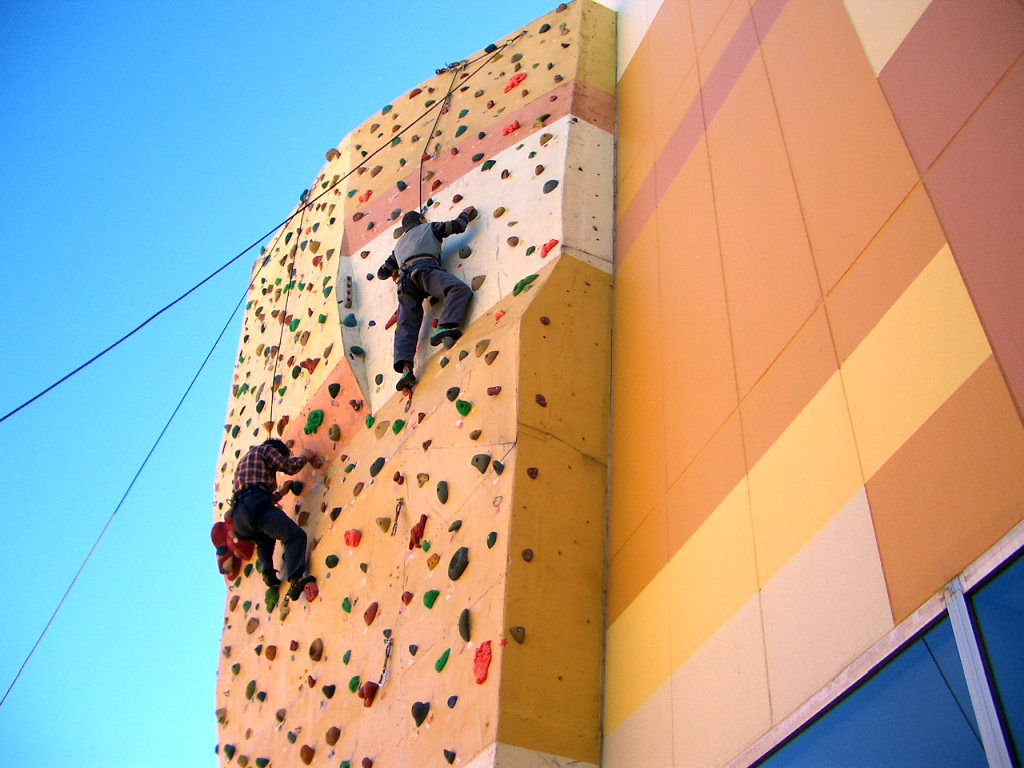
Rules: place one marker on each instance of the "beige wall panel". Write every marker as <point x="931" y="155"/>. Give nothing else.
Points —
<point x="825" y="607"/>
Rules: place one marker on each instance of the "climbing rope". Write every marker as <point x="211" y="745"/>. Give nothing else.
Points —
<point x="240" y="254"/>
<point x="124" y="496"/>
<point x="445" y="103"/>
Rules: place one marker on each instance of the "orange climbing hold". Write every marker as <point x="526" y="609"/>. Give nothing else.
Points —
<point x="365" y="196"/>
<point x="546" y="248"/>
<point x="481" y="662"/>
<point x="510" y="128"/>
<point x="391" y="322"/>
<point x="514" y="81"/>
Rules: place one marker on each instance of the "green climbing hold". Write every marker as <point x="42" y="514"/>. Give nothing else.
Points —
<point x="333" y="389"/>
<point x="458" y="564"/>
<point x="349" y="468"/>
<point x="246" y="606"/>
<point x="402" y="186"/>
<point x="369" y="421"/>
<point x="452" y="394"/>
<point x="353" y="684"/>
<point x="321" y="319"/>
<point x="549" y="185"/>
<point x="236" y="668"/>
<point x="270" y="599"/>
<point x="463" y="407"/>
<point x="247" y="570"/>
<point x="460" y="130"/>
<point x="377" y="466"/>
<point x="430" y="597"/>
<point x="346" y="658"/>
<point x="346" y="605"/>
<point x="296" y="488"/>
<point x="425" y="545"/>
<point x="491" y="538"/>
<point x="313" y="422"/>
<point x="260" y="406"/>
<point x="464" y="625"/>
<point x="250" y="690"/>
<point x="234" y="431"/>
<point x="328" y="691"/>
<point x="530" y="250"/>
<point x="293" y="324"/>
<point x="478" y="157"/>
<point x="331" y="561"/>
<point x="518" y="287"/>
<point x="442" y="492"/>
<point x="262" y="762"/>
<point x="296" y="372"/>
<point x="386" y="109"/>
<point x="481" y="461"/>
<point x="488" y="165"/>
<point x="544" y="28"/>
<point x="449" y="756"/>
<point x="442" y="660"/>
<point x="396" y="426"/>
<point x="229" y="751"/>
<point x="490" y="48"/>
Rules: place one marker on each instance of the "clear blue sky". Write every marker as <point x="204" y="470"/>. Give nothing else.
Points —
<point x="142" y="145"/>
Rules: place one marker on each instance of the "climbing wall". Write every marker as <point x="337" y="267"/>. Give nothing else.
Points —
<point x="457" y="535"/>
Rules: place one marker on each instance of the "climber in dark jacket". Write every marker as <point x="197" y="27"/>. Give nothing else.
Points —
<point x="416" y="265"/>
<point x="257" y="518"/>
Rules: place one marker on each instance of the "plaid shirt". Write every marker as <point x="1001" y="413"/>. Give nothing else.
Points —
<point x="259" y="468"/>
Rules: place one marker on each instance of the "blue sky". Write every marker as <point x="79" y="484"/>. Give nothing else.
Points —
<point x="141" y="146"/>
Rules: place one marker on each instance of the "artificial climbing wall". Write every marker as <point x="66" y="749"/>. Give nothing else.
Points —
<point x="457" y="535"/>
<point x="818" y="369"/>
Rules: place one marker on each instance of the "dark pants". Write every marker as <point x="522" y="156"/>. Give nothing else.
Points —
<point x="417" y="281"/>
<point x="257" y="520"/>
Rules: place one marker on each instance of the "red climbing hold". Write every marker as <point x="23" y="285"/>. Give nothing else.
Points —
<point x="365" y="196"/>
<point x="416" y="534"/>
<point x="370" y="614"/>
<point x="306" y="753"/>
<point x="352" y="538"/>
<point x="415" y="92"/>
<point x="546" y="248"/>
<point x="513" y="126"/>
<point x="492" y="391"/>
<point x="514" y="81"/>
<point x="367" y="763"/>
<point x="498" y="315"/>
<point x="435" y="185"/>
<point x="391" y="322"/>
<point x="407" y="597"/>
<point x="311" y="591"/>
<point x="455" y="151"/>
<point x="367" y="691"/>
<point x="481" y="662"/>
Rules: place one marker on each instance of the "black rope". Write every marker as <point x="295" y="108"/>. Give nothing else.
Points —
<point x="445" y="103"/>
<point x="123" y="497"/>
<point x="280" y="338"/>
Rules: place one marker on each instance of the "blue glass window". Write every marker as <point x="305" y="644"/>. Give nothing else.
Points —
<point x="913" y="711"/>
<point x="998" y="608"/>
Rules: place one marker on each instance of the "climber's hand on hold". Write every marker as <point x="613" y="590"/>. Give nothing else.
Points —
<point x="312" y="458"/>
<point x="470" y="212"/>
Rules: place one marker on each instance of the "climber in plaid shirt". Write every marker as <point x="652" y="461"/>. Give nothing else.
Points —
<point x="256" y="517"/>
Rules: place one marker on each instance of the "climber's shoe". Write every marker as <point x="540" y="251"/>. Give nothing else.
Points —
<point x="443" y="333"/>
<point x="271" y="580"/>
<point x="406" y="382"/>
<point x="298" y="586"/>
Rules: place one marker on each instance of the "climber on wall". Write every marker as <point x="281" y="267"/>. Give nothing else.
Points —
<point x="256" y="517"/>
<point x="415" y="265"/>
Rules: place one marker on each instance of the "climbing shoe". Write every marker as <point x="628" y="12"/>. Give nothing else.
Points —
<point x="406" y="382"/>
<point x="296" y="587"/>
<point x="271" y="580"/>
<point x="442" y="333"/>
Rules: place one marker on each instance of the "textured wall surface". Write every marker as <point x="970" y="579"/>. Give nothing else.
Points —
<point x="817" y="371"/>
<point x="502" y="446"/>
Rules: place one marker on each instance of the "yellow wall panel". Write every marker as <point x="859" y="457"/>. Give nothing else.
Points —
<point x="803" y="479"/>
<point x="920" y="352"/>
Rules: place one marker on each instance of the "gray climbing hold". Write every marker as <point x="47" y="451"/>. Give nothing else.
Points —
<point x="549" y="185"/>
<point x="442" y="492"/>
<point x="419" y="712"/>
<point x="481" y="461"/>
<point x="464" y="625"/>
<point x="316" y="649"/>
<point x="527" y="555"/>
<point x="349" y="321"/>
<point x="518" y="634"/>
<point x="377" y="466"/>
<point x="458" y="564"/>
<point x="452" y="394"/>
<point x="465" y="252"/>
<point x="456" y="524"/>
